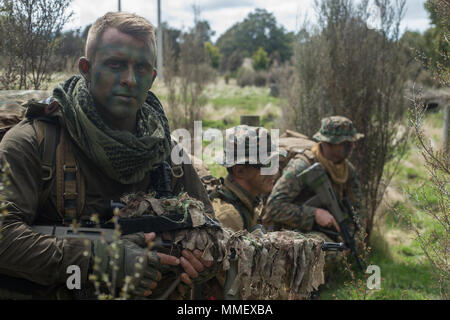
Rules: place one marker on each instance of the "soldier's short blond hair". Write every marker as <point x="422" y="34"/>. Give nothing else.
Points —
<point x="128" y="23"/>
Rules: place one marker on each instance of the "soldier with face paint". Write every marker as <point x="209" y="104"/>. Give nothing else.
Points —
<point x="237" y="200"/>
<point x="119" y="136"/>
<point x="286" y="206"/>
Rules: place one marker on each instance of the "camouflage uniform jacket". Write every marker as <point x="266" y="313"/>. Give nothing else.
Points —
<point x="234" y="207"/>
<point x="285" y="208"/>
<point x="39" y="260"/>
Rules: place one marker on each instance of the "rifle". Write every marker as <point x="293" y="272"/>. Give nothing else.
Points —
<point x="145" y="223"/>
<point x="316" y="178"/>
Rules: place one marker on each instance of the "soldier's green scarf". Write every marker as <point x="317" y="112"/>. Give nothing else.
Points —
<point x="124" y="157"/>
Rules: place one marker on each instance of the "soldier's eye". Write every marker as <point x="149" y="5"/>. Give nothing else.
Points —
<point x="143" y="68"/>
<point x="114" y="64"/>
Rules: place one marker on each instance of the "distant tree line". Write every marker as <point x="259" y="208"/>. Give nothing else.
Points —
<point x="32" y="47"/>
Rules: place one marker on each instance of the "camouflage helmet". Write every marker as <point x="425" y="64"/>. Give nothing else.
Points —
<point x="243" y="145"/>
<point x="337" y="129"/>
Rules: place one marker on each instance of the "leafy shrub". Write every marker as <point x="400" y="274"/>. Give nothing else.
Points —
<point x="260" y="59"/>
<point x="213" y="54"/>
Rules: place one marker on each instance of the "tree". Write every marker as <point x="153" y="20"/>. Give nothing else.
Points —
<point x="70" y="46"/>
<point x="231" y="62"/>
<point x="259" y="29"/>
<point x="29" y="29"/>
<point x="187" y="75"/>
<point x="203" y="29"/>
<point x="171" y="37"/>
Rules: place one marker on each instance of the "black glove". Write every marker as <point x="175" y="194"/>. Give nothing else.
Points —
<point x="130" y="263"/>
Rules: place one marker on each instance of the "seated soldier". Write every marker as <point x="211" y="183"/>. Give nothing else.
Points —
<point x="237" y="202"/>
<point x="286" y="206"/>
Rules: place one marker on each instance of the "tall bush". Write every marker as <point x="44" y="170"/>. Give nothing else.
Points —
<point x="27" y="44"/>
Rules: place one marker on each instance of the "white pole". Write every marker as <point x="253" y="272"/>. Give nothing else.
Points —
<point x="160" y="44"/>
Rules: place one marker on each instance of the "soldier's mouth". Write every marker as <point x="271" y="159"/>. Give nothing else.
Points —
<point x="124" y="97"/>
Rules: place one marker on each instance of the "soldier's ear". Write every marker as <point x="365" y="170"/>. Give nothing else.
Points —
<point x="84" y="66"/>
<point x="153" y="77"/>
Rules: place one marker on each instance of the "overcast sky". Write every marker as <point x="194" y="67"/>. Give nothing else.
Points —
<point x="222" y="14"/>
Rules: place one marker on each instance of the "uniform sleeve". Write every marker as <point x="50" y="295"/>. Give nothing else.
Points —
<point x="24" y="253"/>
<point x="281" y="208"/>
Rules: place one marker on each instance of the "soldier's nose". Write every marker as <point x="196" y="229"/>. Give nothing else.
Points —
<point x="128" y="77"/>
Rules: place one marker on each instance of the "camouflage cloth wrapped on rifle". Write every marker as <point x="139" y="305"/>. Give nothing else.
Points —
<point x="273" y="262"/>
<point x="267" y="263"/>
<point x="185" y="225"/>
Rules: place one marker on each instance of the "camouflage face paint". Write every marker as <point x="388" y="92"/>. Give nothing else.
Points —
<point x="260" y="184"/>
<point x="348" y="147"/>
<point x="121" y="75"/>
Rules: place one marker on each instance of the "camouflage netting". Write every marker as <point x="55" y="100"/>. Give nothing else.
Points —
<point x="273" y="262"/>
<point x="268" y="264"/>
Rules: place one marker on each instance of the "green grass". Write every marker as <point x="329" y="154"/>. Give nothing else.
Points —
<point x="405" y="275"/>
<point x="397" y="216"/>
<point x="248" y="100"/>
<point x="436" y="118"/>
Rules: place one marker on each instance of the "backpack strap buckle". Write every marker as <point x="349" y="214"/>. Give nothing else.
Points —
<point x="47" y="172"/>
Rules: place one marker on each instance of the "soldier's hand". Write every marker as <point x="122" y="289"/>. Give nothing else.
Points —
<point x="325" y="219"/>
<point x="130" y="260"/>
<point x="193" y="264"/>
<point x="191" y="261"/>
<point x="164" y="259"/>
